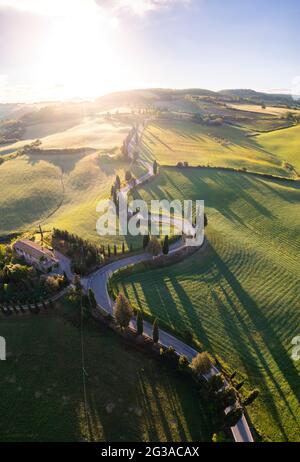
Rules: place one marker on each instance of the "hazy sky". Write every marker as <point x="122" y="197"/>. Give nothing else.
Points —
<point x="84" y="48"/>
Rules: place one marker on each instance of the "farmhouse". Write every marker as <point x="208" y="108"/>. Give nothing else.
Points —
<point x="40" y="257"/>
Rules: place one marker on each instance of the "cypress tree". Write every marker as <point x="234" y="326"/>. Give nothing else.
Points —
<point x="123" y="247"/>
<point x="165" y="248"/>
<point x="92" y="299"/>
<point x="118" y="182"/>
<point x="66" y="280"/>
<point x="155" y="331"/>
<point x="205" y="220"/>
<point x="146" y="239"/>
<point x="139" y="323"/>
<point x="36" y="306"/>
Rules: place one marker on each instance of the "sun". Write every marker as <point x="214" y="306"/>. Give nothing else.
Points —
<point x="83" y="56"/>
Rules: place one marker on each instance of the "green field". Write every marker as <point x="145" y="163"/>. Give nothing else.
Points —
<point x="285" y="144"/>
<point x="61" y="185"/>
<point x="30" y="192"/>
<point x="172" y="141"/>
<point x="91" y="132"/>
<point x="130" y="397"/>
<point x="241" y="296"/>
<point x="58" y="190"/>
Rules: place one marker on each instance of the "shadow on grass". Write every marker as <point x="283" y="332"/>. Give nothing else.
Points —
<point x="271" y="342"/>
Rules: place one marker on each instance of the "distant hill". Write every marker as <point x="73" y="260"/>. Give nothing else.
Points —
<point x="148" y="96"/>
<point x="153" y="95"/>
<point x="259" y="97"/>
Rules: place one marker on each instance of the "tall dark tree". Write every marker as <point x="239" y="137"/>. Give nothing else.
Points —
<point x="165" y="248"/>
<point x="139" y="323"/>
<point x="123" y="248"/>
<point x="155" y="167"/>
<point x="233" y="416"/>
<point x="92" y="299"/>
<point x="118" y="182"/>
<point x="115" y="197"/>
<point x="36" y="307"/>
<point x="205" y="220"/>
<point x="77" y="284"/>
<point x="251" y="397"/>
<point x="115" y="250"/>
<point x="42" y="234"/>
<point x="155" y="331"/>
<point x="146" y="239"/>
<point x="65" y="280"/>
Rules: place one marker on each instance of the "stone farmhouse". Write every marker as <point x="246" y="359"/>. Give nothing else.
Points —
<point x="37" y="256"/>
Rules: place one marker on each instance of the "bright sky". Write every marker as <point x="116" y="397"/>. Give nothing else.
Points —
<point x="59" y="49"/>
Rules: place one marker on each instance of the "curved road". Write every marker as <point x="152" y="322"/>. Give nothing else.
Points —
<point x="98" y="283"/>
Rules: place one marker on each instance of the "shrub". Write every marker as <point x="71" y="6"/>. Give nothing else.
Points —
<point x="53" y="283"/>
<point x="202" y="363"/>
<point x="154" y="246"/>
<point x="123" y="311"/>
<point x="220" y="437"/>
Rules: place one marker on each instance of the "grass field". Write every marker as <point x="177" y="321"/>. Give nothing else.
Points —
<point x="285" y="144"/>
<point x="92" y="132"/>
<point x="31" y="191"/>
<point x="273" y="110"/>
<point x="130" y="397"/>
<point x="241" y="297"/>
<point x="264" y="124"/>
<point x="58" y="190"/>
<point x="172" y="141"/>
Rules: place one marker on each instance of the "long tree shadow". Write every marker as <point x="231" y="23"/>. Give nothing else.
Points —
<point x="64" y="159"/>
<point x="248" y="357"/>
<point x="272" y="343"/>
<point x="191" y="314"/>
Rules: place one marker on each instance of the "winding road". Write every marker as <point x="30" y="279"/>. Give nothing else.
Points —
<point x="98" y="283"/>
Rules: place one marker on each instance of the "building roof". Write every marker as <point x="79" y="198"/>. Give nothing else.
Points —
<point x="34" y="249"/>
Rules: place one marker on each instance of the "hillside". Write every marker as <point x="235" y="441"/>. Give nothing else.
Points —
<point x="240" y="299"/>
<point x="130" y="397"/>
